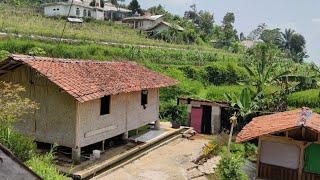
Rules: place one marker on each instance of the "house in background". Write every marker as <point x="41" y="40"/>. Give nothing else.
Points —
<point x="204" y="115"/>
<point x="150" y="23"/>
<point x="164" y="26"/>
<point x="143" y="22"/>
<point x="85" y="9"/>
<point x="289" y="144"/>
<point x="113" y="13"/>
<point x="84" y="102"/>
<point x="13" y="168"/>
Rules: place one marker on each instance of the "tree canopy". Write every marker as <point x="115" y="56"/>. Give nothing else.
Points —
<point x="134" y="6"/>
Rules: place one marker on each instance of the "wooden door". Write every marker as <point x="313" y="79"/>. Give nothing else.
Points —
<point x="196" y="118"/>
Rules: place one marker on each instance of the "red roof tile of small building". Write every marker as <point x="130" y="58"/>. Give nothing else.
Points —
<point x="277" y="122"/>
<point x="89" y="80"/>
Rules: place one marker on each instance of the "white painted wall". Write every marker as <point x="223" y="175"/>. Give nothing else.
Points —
<point x="62" y="9"/>
<point x="126" y="113"/>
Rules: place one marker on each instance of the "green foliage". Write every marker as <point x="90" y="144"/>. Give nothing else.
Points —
<point x="36" y="51"/>
<point x="3" y="55"/>
<point x="271" y="36"/>
<point x="245" y="102"/>
<point x="44" y="166"/>
<point x="218" y="92"/>
<point x="218" y="142"/>
<point x="134" y="6"/>
<point x="225" y="73"/>
<point x="21" y="146"/>
<point x="174" y="113"/>
<point x="230" y="167"/>
<point x="264" y="70"/>
<point x="100" y="52"/>
<point x="12" y="105"/>
<point x="308" y="98"/>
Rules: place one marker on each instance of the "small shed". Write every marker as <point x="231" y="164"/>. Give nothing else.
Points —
<point x="12" y="168"/>
<point x="289" y="144"/>
<point x="204" y="115"/>
<point x="84" y="102"/>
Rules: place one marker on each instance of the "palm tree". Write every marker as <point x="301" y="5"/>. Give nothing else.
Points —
<point x="286" y="39"/>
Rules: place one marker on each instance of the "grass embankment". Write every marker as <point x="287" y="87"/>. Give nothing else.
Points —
<point x="308" y="98"/>
<point x="26" y="21"/>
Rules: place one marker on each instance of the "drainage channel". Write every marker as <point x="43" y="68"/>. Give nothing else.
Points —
<point x="134" y="156"/>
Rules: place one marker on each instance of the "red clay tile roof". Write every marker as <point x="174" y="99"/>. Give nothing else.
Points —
<point x="89" y="80"/>
<point x="277" y="122"/>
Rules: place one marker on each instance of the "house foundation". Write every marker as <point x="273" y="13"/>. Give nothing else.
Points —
<point x="76" y="155"/>
<point x="125" y="136"/>
<point x="157" y="125"/>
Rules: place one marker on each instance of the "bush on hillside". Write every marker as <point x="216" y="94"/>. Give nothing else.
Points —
<point x="230" y="167"/>
<point x="228" y="73"/>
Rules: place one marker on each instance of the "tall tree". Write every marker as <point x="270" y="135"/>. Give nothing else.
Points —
<point x="297" y="48"/>
<point x="286" y="38"/>
<point x="134" y="6"/>
<point x="272" y="36"/>
<point x="192" y="14"/>
<point x="227" y="27"/>
<point x="256" y="33"/>
<point x="294" y="45"/>
<point x="206" y="21"/>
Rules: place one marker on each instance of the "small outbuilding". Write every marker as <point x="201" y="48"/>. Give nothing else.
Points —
<point x="289" y="144"/>
<point x="12" y="168"/>
<point x="204" y="115"/>
<point x="84" y="102"/>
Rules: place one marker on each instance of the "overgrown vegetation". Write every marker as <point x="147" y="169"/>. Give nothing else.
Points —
<point x="12" y="108"/>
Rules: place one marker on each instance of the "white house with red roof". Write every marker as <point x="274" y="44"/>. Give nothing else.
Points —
<point x="84" y="102"/>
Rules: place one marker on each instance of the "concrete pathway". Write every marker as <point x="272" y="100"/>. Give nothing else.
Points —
<point x="171" y="161"/>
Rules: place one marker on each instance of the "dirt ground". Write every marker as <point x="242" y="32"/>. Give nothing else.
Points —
<point x="170" y="161"/>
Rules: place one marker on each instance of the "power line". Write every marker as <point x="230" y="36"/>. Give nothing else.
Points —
<point x="62" y="33"/>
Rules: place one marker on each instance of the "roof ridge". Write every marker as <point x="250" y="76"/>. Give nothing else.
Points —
<point x="66" y="60"/>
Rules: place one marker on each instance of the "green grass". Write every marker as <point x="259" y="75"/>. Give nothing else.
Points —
<point x="25" y="21"/>
<point x="308" y="98"/>
<point x="101" y="52"/>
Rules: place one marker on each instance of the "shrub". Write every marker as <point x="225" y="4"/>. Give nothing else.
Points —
<point x="21" y="146"/>
<point x="175" y="113"/>
<point x="44" y="166"/>
<point x="36" y="51"/>
<point x="225" y="73"/>
<point x="3" y="55"/>
<point x="230" y="167"/>
<point x="218" y="142"/>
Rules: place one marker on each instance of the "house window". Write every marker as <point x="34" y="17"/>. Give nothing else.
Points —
<point x="89" y="13"/>
<point x="105" y="105"/>
<point x="78" y="12"/>
<point x="144" y="98"/>
<point x="84" y="13"/>
<point x="58" y="9"/>
<point x="54" y="9"/>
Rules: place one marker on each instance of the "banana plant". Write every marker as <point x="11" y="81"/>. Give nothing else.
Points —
<point x="245" y="103"/>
